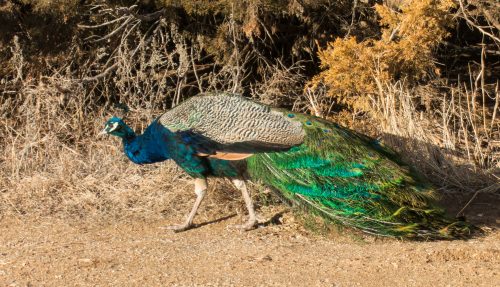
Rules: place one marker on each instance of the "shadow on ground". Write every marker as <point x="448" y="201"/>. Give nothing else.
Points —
<point x="464" y="193"/>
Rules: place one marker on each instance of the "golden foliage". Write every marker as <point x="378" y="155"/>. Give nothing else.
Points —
<point x="355" y="70"/>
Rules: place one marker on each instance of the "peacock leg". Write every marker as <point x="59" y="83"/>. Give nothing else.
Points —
<point x="200" y="188"/>
<point x="252" y="219"/>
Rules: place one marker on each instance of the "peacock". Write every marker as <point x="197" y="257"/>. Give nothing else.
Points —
<point x="326" y="169"/>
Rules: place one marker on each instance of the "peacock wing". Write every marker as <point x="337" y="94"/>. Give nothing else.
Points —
<point x="231" y="127"/>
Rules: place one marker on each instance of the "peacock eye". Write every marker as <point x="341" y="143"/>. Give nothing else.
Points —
<point x="113" y="127"/>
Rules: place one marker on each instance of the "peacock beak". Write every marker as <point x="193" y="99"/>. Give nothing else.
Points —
<point x="103" y="132"/>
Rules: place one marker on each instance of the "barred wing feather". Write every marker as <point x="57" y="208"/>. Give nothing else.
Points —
<point x="230" y="123"/>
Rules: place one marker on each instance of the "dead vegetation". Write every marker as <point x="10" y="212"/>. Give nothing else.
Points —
<point x="384" y="78"/>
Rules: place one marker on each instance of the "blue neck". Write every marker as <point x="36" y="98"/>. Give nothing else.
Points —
<point x="150" y="147"/>
<point x="129" y="135"/>
<point x="158" y="143"/>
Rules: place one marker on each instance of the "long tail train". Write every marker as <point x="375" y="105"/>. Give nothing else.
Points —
<point x="350" y="179"/>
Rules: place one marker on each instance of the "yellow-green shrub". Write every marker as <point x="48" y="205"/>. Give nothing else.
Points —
<point x="354" y="70"/>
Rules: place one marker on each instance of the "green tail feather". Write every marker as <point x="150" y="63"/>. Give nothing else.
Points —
<point x="351" y="179"/>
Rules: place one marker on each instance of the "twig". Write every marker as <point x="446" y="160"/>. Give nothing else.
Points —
<point x="151" y="16"/>
<point x="195" y="72"/>
<point x="495" y="109"/>
<point x="115" y="31"/>
<point x="462" y="8"/>
<point x="353" y="18"/>
<point x="101" y="75"/>
<point x="102" y="24"/>
<point x="491" y="188"/>
<point x="394" y="33"/>
<point x="489" y="17"/>
<point x="235" y="52"/>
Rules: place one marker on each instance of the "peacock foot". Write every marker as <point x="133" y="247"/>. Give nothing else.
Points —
<point x="249" y="225"/>
<point x="180" y="227"/>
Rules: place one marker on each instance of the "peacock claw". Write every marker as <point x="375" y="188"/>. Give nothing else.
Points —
<point x="245" y="227"/>
<point x="180" y="227"/>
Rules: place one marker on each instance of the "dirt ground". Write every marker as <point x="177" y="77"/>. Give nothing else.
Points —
<point x="56" y="252"/>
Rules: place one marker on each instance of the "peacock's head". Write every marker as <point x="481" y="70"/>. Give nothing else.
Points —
<point x="117" y="127"/>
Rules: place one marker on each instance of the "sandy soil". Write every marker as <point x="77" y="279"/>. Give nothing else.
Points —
<point x="53" y="252"/>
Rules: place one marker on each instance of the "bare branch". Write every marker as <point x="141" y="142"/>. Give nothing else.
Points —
<point x="102" y="24"/>
<point x="150" y="17"/>
<point x="101" y="75"/>
<point x="473" y="24"/>
<point x="114" y="32"/>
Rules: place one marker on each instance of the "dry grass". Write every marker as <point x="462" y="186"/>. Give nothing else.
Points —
<point x="453" y="144"/>
<point x="53" y="164"/>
